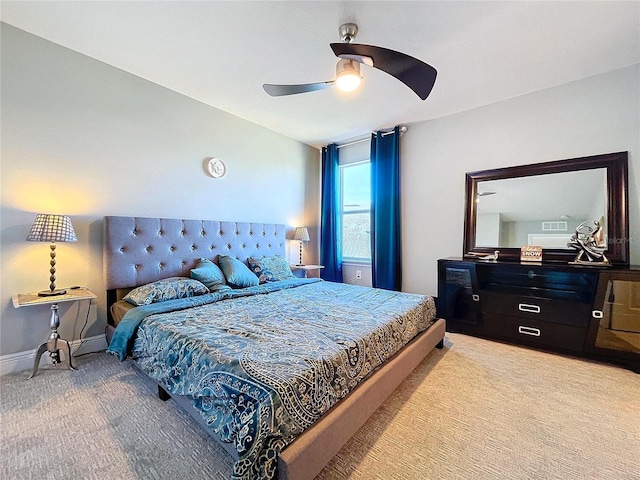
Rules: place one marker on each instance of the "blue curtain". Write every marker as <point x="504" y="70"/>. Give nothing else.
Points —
<point x="330" y="227"/>
<point x="386" y="260"/>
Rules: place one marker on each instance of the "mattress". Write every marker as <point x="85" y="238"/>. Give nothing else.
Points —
<point x="119" y="309"/>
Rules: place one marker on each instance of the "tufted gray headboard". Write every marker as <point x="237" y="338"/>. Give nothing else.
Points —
<point x="140" y="250"/>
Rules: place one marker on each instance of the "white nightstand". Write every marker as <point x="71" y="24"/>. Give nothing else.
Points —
<point x="307" y="268"/>
<point x="51" y="345"/>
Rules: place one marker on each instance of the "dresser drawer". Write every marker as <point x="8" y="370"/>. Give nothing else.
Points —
<point x="536" y="332"/>
<point x="548" y="282"/>
<point x="574" y="314"/>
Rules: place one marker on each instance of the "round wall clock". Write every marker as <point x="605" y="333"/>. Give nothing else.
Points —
<point x="216" y="168"/>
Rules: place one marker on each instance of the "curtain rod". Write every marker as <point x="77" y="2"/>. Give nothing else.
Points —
<point x="403" y="129"/>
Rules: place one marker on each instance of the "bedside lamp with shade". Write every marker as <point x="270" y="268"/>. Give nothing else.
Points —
<point x="302" y="235"/>
<point x="52" y="228"/>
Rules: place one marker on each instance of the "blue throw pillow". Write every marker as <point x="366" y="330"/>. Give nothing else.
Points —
<point x="210" y="274"/>
<point x="237" y="273"/>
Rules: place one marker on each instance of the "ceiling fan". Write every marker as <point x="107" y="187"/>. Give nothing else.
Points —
<point x="415" y="74"/>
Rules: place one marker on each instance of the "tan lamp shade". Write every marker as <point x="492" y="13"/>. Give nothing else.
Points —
<point x="301" y="234"/>
<point x="52" y="228"/>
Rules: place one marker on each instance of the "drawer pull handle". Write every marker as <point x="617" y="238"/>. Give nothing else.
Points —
<point x="535" y="332"/>
<point x="475" y="297"/>
<point x="524" y="307"/>
<point x="597" y="314"/>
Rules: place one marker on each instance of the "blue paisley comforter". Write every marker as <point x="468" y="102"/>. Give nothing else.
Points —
<point x="265" y="365"/>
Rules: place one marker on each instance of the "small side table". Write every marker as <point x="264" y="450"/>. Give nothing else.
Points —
<point x="306" y="268"/>
<point x="52" y="344"/>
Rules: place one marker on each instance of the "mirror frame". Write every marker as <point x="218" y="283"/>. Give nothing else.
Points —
<point x="616" y="165"/>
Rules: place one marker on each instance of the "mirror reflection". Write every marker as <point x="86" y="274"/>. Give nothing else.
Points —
<point x="539" y="210"/>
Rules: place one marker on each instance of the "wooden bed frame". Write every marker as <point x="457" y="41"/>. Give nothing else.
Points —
<point x="141" y="250"/>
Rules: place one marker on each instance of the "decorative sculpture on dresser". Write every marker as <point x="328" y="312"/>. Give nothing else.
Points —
<point x="589" y="239"/>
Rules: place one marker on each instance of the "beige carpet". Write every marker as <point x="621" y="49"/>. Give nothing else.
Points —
<point x="474" y="410"/>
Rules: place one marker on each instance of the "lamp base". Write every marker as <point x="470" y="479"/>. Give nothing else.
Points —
<point x="51" y="293"/>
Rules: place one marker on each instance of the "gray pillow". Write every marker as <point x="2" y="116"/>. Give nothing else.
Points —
<point x="236" y="272"/>
<point x="210" y="274"/>
<point x="270" y="269"/>
<point x="165" y="289"/>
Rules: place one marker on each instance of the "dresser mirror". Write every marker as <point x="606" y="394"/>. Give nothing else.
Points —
<point x="542" y="204"/>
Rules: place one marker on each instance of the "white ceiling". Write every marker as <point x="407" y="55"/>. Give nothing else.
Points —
<point x="221" y="53"/>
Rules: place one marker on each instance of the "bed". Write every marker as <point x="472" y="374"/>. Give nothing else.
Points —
<point x="278" y="412"/>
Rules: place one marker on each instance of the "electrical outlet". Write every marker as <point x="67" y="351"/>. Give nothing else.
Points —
<point x="358" y="274"/>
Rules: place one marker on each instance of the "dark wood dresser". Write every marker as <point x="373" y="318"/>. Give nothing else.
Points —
<point x="575" y="309"/>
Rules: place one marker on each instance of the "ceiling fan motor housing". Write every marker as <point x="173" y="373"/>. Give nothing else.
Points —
<point x="348" y="32"/>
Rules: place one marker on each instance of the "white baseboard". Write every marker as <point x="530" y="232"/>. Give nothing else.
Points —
<point x="17" y="362"/>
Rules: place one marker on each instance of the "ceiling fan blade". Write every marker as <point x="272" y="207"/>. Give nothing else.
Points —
<point x="280" y="90"/>
<point x="415" y="74"/>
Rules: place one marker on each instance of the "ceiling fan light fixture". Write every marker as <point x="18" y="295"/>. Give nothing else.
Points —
<point x="415" y="74"/>
<point x="348" y="76"/>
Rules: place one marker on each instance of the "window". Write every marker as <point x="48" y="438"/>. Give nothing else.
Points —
<point x="355" y="198"/>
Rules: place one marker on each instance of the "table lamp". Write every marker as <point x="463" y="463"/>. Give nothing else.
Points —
<point x="52" y="228"/>
<point x="302" y="235"/>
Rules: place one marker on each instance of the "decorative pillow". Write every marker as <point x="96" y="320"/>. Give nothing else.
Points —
<point x="165" y="289"/>
<point x="210" y="274"/>
<point x="270" y="269"/>
<point x="237" y="273"/>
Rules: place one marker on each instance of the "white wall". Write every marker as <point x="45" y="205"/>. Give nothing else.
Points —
<point x="488" y="229"/>
<point x="588" y="117"/>
<point x="85" y="139"/>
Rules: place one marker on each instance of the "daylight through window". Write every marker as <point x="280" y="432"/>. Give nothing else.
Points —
<point x="355" y="194"/>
